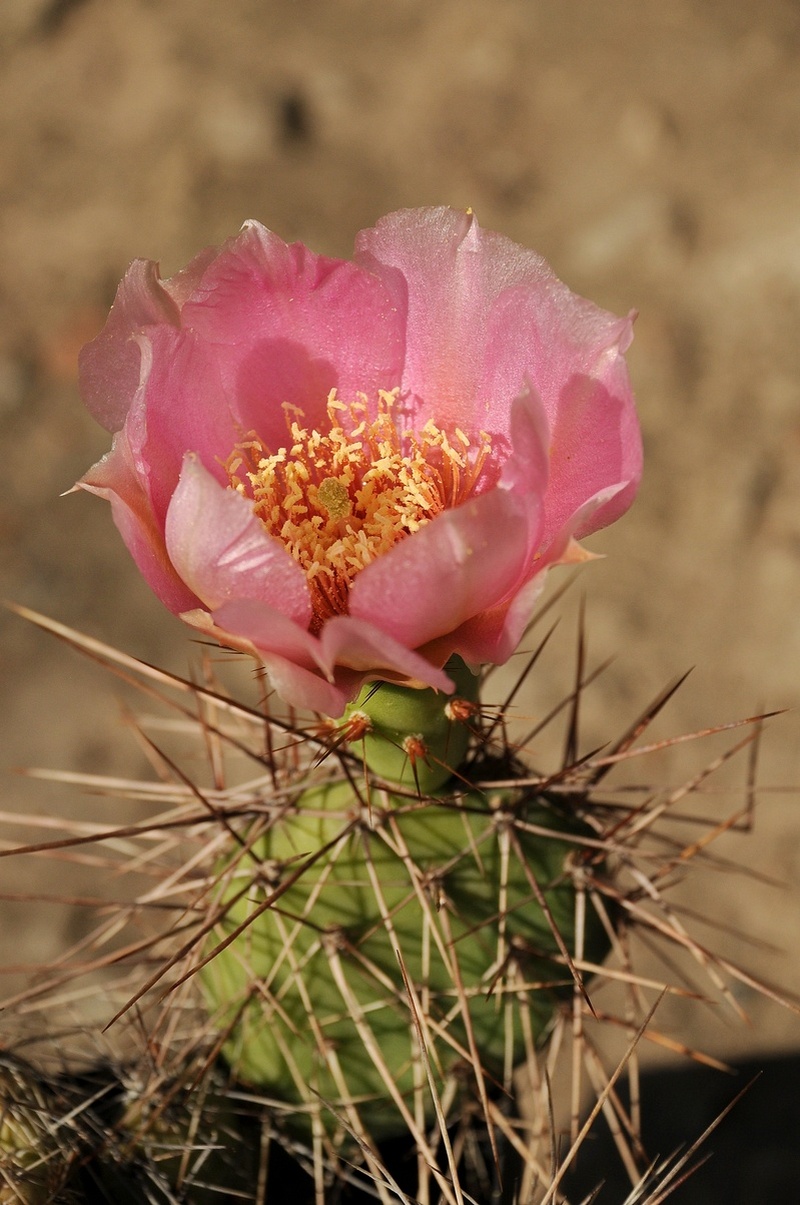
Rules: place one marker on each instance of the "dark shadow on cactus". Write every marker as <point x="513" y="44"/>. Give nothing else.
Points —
<point x="753" y="1156"/>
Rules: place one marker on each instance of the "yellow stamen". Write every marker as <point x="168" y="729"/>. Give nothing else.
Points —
<point x="340" y="498"/>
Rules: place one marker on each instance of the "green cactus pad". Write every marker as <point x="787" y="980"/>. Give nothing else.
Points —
<point x="312" y="989"/>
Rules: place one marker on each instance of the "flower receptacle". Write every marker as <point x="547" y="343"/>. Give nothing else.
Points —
<point x="416" y="738"/>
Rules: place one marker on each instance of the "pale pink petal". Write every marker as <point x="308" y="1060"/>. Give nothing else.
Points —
<point x="493" y="635"/>
<point x="350" y="643"/>
<point x="255" y="629"/>
<point x="432" y="261"/>
<point x="347" y="653"/>
<point x="304" y="689"/>
<point x="109" y="366"/>
<point x="466" y="560"/>
<point x="485" y="315"/>
<point x="553" y="337"/>
<point x="463" y="365"/>
<point x="222" y="551"/>
<point x="179" y="407"/>
<point x="288" y="326"/>
<point x="561" y="548"/>
<point x="596" y="447"/>
<point x="181" y="286"/>
<point x="457" y="565"/>
<point x="270" y="630"/>
<point x="579" y="372"/>
<point x="290" y="654"/>
<point x="113" y="478"/>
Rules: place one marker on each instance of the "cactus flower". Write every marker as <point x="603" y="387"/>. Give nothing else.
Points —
<point x="356" y="469"/>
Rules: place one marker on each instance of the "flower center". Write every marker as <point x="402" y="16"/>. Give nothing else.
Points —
<point x="337" y="499"/>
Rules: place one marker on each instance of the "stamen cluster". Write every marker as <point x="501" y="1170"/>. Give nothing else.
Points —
<point x="340" y="498"/>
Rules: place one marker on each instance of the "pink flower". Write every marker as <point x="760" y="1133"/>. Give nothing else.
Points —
<point x="353" y="470"/>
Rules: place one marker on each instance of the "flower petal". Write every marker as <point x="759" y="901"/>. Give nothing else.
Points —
<point x="579" y="372"/>
<point x="493" y="635"/>
<point x="464" y="363"/>
<point x="347" y="653"/>
<point x="431" y="261"/>
<point x="348" y="643"/>
<point x="485" y="315"/>
<point x="288" y="326"/>
<point x="221" y="550"/>
<point x="179" y="407"/>
<point x="457" y="565"/>
<point x="452" y="568"/>
<point x="281" y="647"/>
<point x="108" y="367"/>
<point x="114" y="479"/>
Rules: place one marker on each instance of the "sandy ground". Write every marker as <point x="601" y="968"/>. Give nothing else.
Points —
<point x="650" y="151"/>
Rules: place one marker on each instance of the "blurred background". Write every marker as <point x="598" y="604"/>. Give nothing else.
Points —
<point x="650" y="151"/>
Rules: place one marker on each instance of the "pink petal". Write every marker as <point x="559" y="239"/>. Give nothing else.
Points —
<point x="561" y="550"/>
<point x="485" y="315"/>
<point x="184" y="283"/>
<point x="453" y="568"/>
<point x="221" y="550"/>
<point x="450" y="273"/>
<point x="289" y="653"/>
<point x="288" y="326"/>
<point x="255" y="629"/>
<point x="466" y="560"/>
<point x="493" y="635"/>
<point x="114" y="479"/>
<point x="109" y="365"/>
<point x="349" y="643"/>
<point x="180" y="407"/>
<point x="596" y="447"/>
<point x="580" y="374"/>
<point x="304" y="689"/>
<point x="347" y="653"/>
<point x="267" y="629"/>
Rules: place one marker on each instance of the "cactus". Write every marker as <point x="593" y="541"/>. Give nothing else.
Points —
<point x="396" y="938"/>
<point x="395" y="928"/>
<point x="361" y="972"/>
<point x="35" y="1159"/>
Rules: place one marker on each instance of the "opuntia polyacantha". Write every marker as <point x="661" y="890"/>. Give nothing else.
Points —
<point x="387" y="940"/>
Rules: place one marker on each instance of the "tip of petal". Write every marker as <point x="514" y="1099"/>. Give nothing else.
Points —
<point x="252" y="224"/>
<point x="625" y="336"/>
<point x="471" y="219"/>
<point x="576" y="554"/>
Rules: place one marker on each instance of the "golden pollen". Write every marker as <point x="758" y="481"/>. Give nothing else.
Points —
<point x="339" y="498"/>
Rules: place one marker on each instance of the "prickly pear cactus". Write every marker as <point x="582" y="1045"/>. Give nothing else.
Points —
<point x="382" y="942"/>
<point x="376" y="958"/>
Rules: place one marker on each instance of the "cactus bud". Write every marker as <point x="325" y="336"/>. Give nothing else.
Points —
<point x="416" y="738"/>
